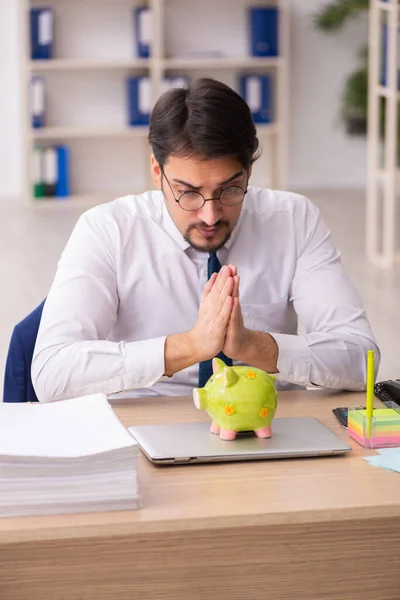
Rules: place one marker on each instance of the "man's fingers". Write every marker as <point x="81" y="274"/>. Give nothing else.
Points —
<point x="236" y="281"/>
<point x="233" y="269"/>
<point x="225" y="313"/>
<point x="209" y="285"/>
<point x="222" y="276"/>
<point x="234" y="319"/>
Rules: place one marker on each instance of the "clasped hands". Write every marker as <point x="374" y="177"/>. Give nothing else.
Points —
<point x="220" y="322"/>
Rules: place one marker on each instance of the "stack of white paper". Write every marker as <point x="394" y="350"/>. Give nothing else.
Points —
<point x="69" y="456"/>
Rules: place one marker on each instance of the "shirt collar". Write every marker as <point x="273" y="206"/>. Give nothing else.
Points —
<point x="172" y="229"/>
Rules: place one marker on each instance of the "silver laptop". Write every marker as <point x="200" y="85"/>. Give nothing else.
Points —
<point x="185" y="443"/>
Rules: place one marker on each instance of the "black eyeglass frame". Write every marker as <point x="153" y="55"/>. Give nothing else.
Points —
<point x="205" y="199"/>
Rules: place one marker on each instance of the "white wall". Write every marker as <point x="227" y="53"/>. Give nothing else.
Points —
<point x="10" y="139"/>
<point x="321" y="155"/>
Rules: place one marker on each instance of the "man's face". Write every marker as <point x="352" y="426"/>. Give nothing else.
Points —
<point x="209" y="227"/>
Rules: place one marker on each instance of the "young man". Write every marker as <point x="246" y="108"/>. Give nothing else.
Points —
<point x="140" y="299"/>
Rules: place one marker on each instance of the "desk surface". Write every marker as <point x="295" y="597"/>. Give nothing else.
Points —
<point x="195" y="497"/>
<point x="302" y="529"/>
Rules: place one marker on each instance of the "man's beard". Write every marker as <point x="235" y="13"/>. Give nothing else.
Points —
<point x="221" y="224"/>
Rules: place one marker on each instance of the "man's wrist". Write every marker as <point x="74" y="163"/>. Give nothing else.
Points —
<point x="260" y="350"/>
<point x="195" y="352"/>
<point x="181" y="351"/>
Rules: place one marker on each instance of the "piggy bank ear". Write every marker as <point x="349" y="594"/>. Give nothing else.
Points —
<point x="230" y="377"/>
<point x="217" y="364"/>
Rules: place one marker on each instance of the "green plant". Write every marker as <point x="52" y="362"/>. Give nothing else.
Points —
<point x="333" y="16"/>
<point x="354" y="102"/>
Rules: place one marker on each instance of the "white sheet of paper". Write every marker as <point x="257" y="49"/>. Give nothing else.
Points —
<point x="69" y="428"/>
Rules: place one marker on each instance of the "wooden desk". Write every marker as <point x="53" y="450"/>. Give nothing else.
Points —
<point x="309" y="529"/>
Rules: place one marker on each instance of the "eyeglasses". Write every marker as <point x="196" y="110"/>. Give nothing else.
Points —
<point x="191" y="200"/>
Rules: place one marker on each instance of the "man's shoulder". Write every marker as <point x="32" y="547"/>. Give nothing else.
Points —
<point x="127" y="209"/>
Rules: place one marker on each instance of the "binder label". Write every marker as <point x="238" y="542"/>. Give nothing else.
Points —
<point x="145" y="26"/>
<point x="144" y="100"/>
<point x="50" y="166"/>
<point x="37" y="97"/>
<point x="45" y="27"/>
<point x="254" y="94"/>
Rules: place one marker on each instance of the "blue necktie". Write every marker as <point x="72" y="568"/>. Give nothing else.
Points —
<point x="205" y="367"/>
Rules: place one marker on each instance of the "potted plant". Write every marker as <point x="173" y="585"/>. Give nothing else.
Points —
<point x="354" y="103"/>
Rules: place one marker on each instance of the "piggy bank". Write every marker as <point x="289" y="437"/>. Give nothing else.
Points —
<point x="238" y="399"/>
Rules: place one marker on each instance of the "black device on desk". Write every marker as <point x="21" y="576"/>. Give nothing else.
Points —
<point x="386" y="391"/>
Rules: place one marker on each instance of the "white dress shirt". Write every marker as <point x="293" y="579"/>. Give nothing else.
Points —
<point x="127" y="279"/>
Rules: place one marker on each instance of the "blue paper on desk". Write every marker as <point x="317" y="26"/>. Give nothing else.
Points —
<point x="388" y="458"/>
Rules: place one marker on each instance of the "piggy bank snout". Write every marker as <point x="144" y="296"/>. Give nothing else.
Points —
<point x="200" y="398"/>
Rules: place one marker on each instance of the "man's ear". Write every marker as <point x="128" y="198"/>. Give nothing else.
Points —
<point x="156" y="172"/>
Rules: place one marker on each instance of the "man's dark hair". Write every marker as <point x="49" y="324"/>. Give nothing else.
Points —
<point x="208" y="120"/>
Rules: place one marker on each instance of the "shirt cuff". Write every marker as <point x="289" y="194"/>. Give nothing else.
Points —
<point x="294" y="363"/>
<point x="145" y="363"/>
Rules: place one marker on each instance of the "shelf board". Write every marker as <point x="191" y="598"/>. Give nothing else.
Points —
<point x="249" y="62"/>
<point x="80" y="201"/>
<point x="381" y="175"/>
<point x="77" y="132"/>
<point x="385" y="92"/>
<point x="84" y="64"/>
<point x="385" y="5"/>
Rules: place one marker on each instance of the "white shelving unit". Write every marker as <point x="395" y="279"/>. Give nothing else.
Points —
<point x="382" y="245"/>
<point x="107" y="64"/>
<point x="75" y="132"/>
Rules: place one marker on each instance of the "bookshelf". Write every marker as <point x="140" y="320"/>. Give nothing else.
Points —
<point x="383" y="184"/>
<point x="85" y="85"/>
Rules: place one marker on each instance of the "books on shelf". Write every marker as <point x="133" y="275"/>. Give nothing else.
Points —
<point x="41" y="33"/>
<point x="51" y="172"/>
<point x="65" y="457"/>
<point x="256" y="90"/>
<point x="264" y="31"/>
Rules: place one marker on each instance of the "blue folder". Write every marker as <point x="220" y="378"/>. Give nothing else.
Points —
<point x="384" y="78"/>
<point x="264" y="31"/>
<point x="63" y="189"/>
<point x="256" y="90"/>
<point x="143" y="31"/>
<point x="37" y="102"/>
<point x="41" y="33"/>
<point x="139" y="100"/>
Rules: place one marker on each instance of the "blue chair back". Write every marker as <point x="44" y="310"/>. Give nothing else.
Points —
<point x="17" y="377"/>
